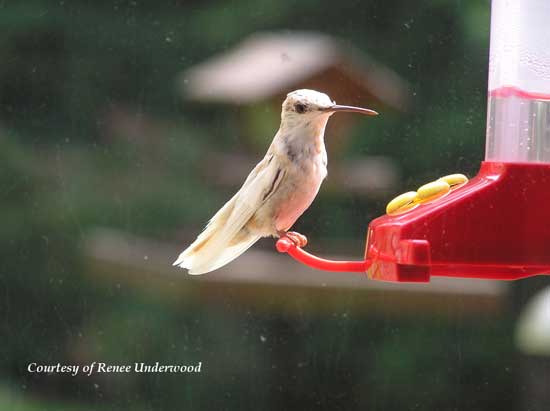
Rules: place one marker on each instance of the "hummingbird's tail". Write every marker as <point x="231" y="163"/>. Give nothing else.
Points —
<point x="225" y="238"/>
<point x="206" y="255"/>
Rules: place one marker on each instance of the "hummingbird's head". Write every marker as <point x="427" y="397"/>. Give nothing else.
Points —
<point x="310" y="106"/>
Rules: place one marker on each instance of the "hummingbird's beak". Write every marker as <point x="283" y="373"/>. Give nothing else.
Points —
<point x="337" y="107"/>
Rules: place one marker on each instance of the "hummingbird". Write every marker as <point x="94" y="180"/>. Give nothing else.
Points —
<point x="277" y="191"/>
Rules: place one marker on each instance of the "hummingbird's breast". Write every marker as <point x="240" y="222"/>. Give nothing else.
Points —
<point x="305" y="173"/>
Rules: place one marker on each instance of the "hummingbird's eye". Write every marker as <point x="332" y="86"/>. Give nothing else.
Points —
<point x="300" y="108"/>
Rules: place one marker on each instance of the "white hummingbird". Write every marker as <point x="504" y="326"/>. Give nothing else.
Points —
<point x="277" y="191"/>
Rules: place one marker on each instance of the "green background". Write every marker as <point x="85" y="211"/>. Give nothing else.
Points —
<point x="65" y="64"/>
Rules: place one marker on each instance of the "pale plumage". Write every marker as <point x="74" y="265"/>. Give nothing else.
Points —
<point x="277" y="191"/>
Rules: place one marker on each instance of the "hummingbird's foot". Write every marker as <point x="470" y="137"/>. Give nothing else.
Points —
<point x="298" y="239"/>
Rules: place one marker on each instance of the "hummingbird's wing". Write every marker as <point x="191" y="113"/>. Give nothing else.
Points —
<point x="226" y="236"/>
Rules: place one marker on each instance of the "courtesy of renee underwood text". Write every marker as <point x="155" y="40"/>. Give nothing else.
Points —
<point x="101" y="367"/>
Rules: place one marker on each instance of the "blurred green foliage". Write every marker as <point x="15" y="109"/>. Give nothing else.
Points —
<point x="69" y="67"/>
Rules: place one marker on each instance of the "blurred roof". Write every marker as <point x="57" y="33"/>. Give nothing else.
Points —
<point x="266" y="64"/>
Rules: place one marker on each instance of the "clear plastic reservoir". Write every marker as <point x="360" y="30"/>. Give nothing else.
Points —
<point x="518" y="117"/>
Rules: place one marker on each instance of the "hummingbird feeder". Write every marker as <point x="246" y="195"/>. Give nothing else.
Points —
<point x="496" y="225"/>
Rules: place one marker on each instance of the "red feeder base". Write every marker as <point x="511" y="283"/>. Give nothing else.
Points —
<point x="497" y="226"/>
